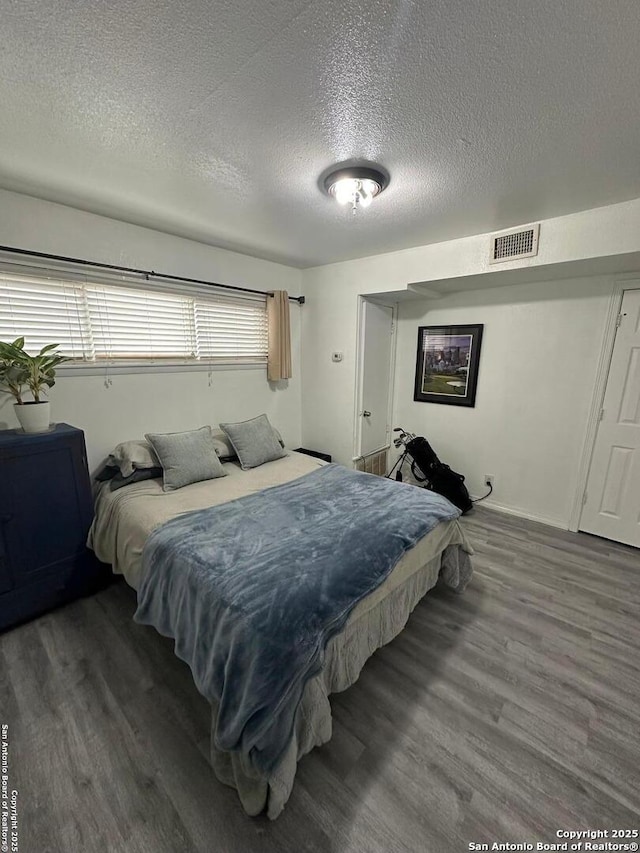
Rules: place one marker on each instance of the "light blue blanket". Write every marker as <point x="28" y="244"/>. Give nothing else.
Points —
<point x="252" y="590"/>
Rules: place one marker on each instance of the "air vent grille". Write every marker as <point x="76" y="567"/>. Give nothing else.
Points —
<point x="517" y="243"/>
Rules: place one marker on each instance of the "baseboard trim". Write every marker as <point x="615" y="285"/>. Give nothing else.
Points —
<point x="520" y="513"/>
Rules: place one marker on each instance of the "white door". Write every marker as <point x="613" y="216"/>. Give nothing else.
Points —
<point x="375" y="398"/>
<point x="612" y="507"/>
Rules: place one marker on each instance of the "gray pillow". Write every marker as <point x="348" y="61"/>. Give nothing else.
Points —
<point x="226" y="450"/>
<point x="186" y="457"/>
<point x="254" y="441"/>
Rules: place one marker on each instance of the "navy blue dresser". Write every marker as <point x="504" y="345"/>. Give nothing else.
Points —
<point x="45" y="512"/>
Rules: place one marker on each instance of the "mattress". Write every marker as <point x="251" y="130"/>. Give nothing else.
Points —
<point x="125" y="518"/>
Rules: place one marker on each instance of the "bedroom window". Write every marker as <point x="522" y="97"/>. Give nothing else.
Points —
<point x="121" y="324"/>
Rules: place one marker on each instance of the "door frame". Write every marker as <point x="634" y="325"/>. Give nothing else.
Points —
<point x="599" y="390"/>
<point x="357" y="419"/>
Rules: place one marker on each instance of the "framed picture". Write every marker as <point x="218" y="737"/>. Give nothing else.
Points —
<point x="447" y="364"/>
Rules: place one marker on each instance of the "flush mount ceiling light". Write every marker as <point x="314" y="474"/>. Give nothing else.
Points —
<point x="355" y="185"/>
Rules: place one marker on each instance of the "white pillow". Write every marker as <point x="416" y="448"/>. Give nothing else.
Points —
<point x="223" y="446"/>
<point x="130" y="456"/>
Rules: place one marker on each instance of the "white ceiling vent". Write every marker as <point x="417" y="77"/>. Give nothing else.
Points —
<point x="514" y="244"/>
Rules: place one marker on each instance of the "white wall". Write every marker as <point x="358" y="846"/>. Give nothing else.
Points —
<point x="598" y="233"/>
<point x="136" y="404"/>
<point x="168" y="402"/>
<point x="537" y="369"/>
<point x="330" y="323"/>
<point x="317" y="407"/>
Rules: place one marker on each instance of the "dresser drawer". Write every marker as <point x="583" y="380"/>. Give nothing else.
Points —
<point x="45" y="514"/>
<point x="45" y="527"/>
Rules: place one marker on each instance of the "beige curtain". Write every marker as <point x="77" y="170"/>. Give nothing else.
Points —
<point x="279" y="360"/>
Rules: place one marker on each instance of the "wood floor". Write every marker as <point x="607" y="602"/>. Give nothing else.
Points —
<point x="501" y="715"/>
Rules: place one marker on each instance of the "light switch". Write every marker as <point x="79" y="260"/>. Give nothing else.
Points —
<point x="336" y="356"/>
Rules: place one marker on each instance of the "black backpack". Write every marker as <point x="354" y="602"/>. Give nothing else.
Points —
<point x="436" y="476"/>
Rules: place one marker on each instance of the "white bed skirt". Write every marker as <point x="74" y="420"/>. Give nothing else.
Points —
<point x="369" y="628"/>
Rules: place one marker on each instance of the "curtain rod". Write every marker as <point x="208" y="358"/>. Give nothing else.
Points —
<point x="146" y="273"/>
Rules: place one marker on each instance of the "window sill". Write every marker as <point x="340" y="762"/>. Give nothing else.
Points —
<point x="116" y="368"/>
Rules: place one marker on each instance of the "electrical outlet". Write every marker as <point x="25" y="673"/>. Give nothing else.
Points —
<point x="488" y="479"/>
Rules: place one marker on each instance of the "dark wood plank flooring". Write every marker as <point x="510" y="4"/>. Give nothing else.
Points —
<point x="501" y="715"/>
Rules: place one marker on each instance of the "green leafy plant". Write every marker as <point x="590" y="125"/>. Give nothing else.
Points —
<point x="19" y="369"/>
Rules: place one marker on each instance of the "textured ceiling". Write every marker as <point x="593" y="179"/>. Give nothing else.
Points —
<point x="214" y="120"/>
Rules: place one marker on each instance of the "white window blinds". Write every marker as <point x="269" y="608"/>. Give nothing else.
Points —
<point x="231" y="330"/>
<point x="96" y="322"/>
<point x="44" y="312"/>
<point x="134" y="324"/>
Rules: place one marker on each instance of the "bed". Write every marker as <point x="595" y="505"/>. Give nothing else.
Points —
<point x="128" y="520"/>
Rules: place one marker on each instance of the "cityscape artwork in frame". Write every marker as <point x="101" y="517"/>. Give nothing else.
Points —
<point x="447" y="364"/>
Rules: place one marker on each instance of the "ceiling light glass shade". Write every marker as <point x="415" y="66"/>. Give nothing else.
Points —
<point x="355" y="186"/>
<point x="366" y="192"/>
<point x="345" y="190"/>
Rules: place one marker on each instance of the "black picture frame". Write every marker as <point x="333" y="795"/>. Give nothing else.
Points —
<point x="447" y="360"/>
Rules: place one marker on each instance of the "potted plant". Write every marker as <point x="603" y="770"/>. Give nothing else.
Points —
<point x="18" y="370"/>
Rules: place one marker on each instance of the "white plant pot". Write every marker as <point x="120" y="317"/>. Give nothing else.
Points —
<point x="33" y="417"/>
